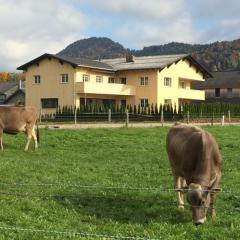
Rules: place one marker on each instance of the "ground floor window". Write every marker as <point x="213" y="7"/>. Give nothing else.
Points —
<point x="217" y="92"/>
<point x="49" y="102"/>
<point x="123" y="102"/>
<point x="97" y="102"/>
<point x="229" y="93"/>
<point x="144" y="102"/>
<point x="167" y="101"/>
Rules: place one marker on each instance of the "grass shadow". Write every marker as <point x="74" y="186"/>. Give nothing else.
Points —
<point x="127" y="208"/>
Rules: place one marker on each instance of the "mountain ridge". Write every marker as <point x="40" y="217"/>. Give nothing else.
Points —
<point x="217" y="56"/>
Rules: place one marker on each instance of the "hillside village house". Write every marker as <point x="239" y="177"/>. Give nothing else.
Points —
<point x="223" y="87"/>
<point x="53" y="81"/>
<point x="12" y="93"/>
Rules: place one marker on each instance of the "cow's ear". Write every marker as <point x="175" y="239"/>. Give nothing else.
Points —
<point x="216" y="190"/>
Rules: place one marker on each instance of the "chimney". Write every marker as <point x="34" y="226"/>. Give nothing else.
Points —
<point x="20" y="84"/>
<point x="130" y="58"/>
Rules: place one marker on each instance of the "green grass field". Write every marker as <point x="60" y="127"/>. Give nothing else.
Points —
<point x="118" y="158"/>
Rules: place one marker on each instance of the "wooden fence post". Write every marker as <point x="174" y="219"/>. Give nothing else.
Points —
<point x="75" y="117"/>
<point x="223" y="120"/>
<point x="109" y="115"/>
<point x="162" y="117"/>
<point x="188" y="117"/>
<point x="127" y="117"/>
<point x="229" y="116"/>
<point x="40" y="116"/>
<point x="212" y="118"/>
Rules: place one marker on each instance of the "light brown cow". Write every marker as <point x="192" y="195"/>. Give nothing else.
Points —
<point x="18" y="119"/>
<point x="196" y="163"/>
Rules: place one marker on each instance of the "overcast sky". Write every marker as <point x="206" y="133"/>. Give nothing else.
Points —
<point x="30" y="28"/>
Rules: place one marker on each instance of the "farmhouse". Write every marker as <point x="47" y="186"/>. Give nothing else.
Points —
<point x="53" y="81"/>
<point x="223" y="87"/>
<point x="12" y="92"/>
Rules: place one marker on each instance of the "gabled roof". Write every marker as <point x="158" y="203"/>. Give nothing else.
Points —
<point x="225" y="79"/>
<point x="151" y="62"/>
<point x="75" y="62"/>
<point x="10" y="88"/>
<point x="120" y="64"/>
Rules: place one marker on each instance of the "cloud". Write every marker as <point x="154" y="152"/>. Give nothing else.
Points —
<point x="151" y="9"/>
<point x="30" y="28"/>
<point x="149" y="22"/>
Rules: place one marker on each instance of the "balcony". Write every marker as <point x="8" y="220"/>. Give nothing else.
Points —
<point x="191" y="94"/>
<point x="105" y="88"/>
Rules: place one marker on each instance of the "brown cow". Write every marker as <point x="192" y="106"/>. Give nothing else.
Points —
<point x="18" y="119"/>
<point x="196" y="163"/>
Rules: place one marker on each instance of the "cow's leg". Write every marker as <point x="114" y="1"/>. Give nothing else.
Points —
<point x="213" y="196"/>
<point x="179" y="185"/>
<point x="1" y="139"/>
<point x="35" y="138"/>
<point x="29" y="136"/>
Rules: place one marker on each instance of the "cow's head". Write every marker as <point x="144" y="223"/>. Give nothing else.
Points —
<point x="199" y="200"/>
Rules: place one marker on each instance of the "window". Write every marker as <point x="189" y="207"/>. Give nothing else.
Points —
<point x="229" y="93"/>
<point x="64" y="78"/>
<point x="182" y="84"/>
<point x="167" y="101"/>
<point x="36" y="79"/>
<point x="2" y="98"/>
<point x="144" y="102"/>
<point x="123" y="102"/>
<point x="143" y="81"/>
<point x="98" y="79"/>
<point x="49" y="102"/>
<point x="217" y="92"/>
<point x="167" y="82"/>
<point x="123" y="80"/>
<point x="111" y="80"/>
<point x="85" y="78"/>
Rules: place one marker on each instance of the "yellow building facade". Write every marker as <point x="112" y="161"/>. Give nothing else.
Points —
<point x="53" y="81"/>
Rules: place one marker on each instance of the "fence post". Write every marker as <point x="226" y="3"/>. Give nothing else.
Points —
<point x="188" y="117"/>
<point x="109" y="115"/>
<point x="127" y="117"/>
<point x="162" y="117"/>
<point x="75" y="117"/>
<point x="229" y="116"/>
<point x="40" y="116"/>
<point x="212" y="118"/>
<point x="223" y="120"/>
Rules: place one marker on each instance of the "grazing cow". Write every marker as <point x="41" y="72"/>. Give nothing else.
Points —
<point x="196" y="163"/>
<point x="18" y="119"/>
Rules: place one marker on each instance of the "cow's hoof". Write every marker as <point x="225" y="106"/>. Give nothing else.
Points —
<point x="180" y="206"/>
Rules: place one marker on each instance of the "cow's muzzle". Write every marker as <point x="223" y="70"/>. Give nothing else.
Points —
<point x="200" y="221"/>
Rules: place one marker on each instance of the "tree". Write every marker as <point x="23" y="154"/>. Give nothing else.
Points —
<point x="4" y="76"/>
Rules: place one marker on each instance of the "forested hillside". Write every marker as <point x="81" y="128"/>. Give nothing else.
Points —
<point x="216" y="56"/>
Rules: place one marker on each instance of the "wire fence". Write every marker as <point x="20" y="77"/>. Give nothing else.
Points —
<point x="109" y="188"/>
<point x="73" y="234"/>
<point x="162" y="202"/>
<point x="128" y="117"/>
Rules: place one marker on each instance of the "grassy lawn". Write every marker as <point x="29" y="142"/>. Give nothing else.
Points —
<point x="119" y="158"/>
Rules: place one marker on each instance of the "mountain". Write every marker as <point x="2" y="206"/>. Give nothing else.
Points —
<point x="217" y="56"/>
<point x="94" y="48"/>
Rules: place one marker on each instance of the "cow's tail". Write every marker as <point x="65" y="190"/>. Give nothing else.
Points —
<point x="38" y="134"/>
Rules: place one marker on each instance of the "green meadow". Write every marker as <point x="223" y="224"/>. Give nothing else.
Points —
<point x="97" y="183"/>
